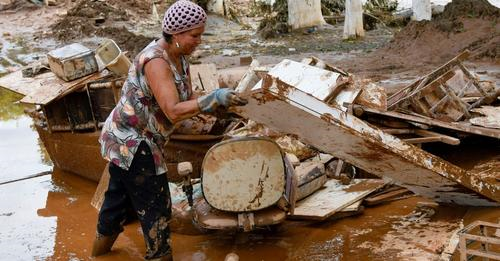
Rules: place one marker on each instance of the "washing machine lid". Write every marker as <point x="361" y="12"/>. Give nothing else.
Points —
<point x="244" y="174"/>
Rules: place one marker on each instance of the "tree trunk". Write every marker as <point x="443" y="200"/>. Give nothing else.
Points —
<point x="304" y="13"/>
<point x="421" y="10"/>
<point x="353" y="22"/>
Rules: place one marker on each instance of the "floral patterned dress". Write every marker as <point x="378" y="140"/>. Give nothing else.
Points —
<point x="138" y="117"/>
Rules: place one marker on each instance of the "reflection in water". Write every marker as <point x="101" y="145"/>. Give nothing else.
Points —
<point x="8" y="109"/>
<point x="21" y="151"/>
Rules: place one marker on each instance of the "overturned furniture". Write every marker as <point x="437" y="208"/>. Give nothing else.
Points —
<point x="479" y="239"/>
<point x="330" y="128"/>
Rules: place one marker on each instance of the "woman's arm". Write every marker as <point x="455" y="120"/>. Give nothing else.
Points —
<point x="163" y="86"/>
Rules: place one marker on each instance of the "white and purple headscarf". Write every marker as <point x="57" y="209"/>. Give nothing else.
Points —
<point x="183" y="16"/>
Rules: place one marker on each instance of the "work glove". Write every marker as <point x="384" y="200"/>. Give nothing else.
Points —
<point x="220" y="98"/>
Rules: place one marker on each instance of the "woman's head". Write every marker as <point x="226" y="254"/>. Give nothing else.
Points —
<point x="183" y="25"/>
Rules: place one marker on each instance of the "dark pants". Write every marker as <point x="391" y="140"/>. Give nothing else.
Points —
<point x="144" y="191"/>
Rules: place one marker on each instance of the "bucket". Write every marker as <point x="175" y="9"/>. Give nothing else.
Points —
<point x="110" y="55"/>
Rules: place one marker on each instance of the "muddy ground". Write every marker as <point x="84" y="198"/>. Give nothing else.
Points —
<point x="50" y="218"/>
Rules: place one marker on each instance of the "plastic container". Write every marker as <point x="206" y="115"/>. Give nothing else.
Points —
<point x="72" y="62"/>
<point x="110" y="55"/>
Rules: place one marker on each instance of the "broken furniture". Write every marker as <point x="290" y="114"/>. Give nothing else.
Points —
<point x="439" y="94"/>
<point x="330" y="128"/>
<point x="479" y="239"/>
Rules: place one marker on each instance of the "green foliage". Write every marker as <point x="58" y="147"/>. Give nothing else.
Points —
<point x="9" y="110"/>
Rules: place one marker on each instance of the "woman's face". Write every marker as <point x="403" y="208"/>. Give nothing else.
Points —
<point x="189" y="40"/>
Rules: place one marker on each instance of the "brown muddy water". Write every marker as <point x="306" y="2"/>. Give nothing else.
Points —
<point x="50" y="218"/>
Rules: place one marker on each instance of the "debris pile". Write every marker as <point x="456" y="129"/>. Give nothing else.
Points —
<point x="324" y="111"/>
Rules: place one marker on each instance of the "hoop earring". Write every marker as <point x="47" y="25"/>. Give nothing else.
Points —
<point x="177" y="45"/>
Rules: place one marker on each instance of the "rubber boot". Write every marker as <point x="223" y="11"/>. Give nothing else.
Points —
<point x="103" y="244"/>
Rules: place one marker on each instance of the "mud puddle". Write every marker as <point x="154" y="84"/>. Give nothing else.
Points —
<point x="50" y="218"/>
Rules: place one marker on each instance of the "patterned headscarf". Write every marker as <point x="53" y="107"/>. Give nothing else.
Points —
<point x="183" y="16"/>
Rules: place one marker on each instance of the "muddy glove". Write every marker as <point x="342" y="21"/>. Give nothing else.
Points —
<point x="220" y="97"/>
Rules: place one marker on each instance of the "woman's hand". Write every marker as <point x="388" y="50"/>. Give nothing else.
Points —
<point x="220" y="97"/>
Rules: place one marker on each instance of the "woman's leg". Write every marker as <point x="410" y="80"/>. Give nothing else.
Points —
<point x="113" y="212"/>
<point x="150" y="197"/>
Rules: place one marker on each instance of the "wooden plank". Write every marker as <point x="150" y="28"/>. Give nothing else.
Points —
<point x="474" y="80"/>
<point x="102" y="187"/>
<point x="17" y="83"/>
<point x="422" y="140"/>
<point x="318" y="82"/>
<point x="489" y="240"/>
<point x="334" y="197"/>
<point x="443" y="138"/>
<point x="394" y="131"/>
<point x="204" y="77"/>
<point x="249" y="79"/>
<point x="344" y="214"/>
<point x="389" y="196"/>
<point x="50" y="87"/>
<point x="457" y="101"/>
<point x="458" y="126"/>
<point x="491" y="255"/>
<point x="353" y="207"/>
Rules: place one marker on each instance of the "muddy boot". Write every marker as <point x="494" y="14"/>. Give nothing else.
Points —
<point x="103" y="244"/>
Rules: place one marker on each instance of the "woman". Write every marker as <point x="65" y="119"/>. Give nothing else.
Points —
<point x="156" y="95"/>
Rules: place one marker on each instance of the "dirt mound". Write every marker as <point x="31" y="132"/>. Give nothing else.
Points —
<point x="105" y="19"/>
<point x="468" y="8"/>
<point x="464" y="24"/>
<point x="127" y="40"/>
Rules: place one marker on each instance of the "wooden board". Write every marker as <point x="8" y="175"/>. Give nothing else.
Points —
<point x="17" y="83"/>
<point x="353" y="207"/>
<point x="102" y="187"/>
<point x="52" y="87"/>
<point x="458" y="126"/>
<point x="318" y="82"/>
<point x="206" y="74"/>
<point x="334" y="197"/>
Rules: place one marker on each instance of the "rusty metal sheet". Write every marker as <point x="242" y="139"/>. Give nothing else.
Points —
<point x="244" y="174"/>
<point x="334" y="197"/>
<point x="349" y="138"/>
